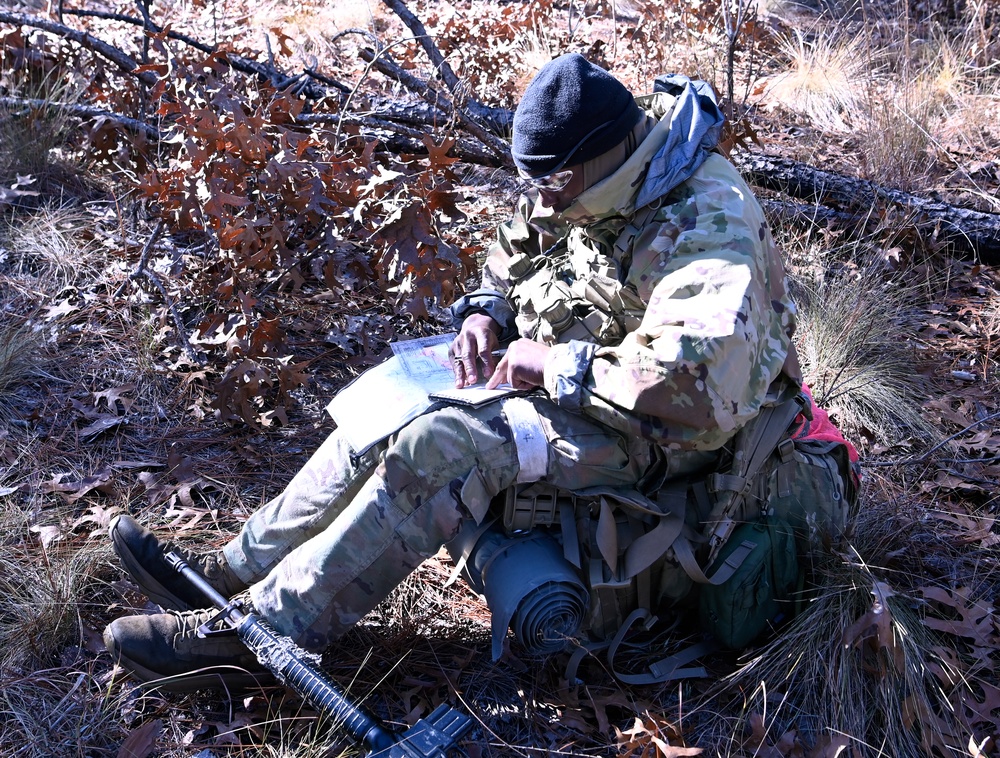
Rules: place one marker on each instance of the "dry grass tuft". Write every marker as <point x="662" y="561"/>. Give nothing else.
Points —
<point x="50" y="701"/>
<point x="857" y="669"/>
<point x="57" y="713"/>
<point x="827" y="73"/>
<point x="42" y="590"/>
<point x="897" y="123"/>
<point x="850" y="344"/>
<point x="19" y="361"/>
<point x="31" y="136"/>
<point x="53" y="249"/>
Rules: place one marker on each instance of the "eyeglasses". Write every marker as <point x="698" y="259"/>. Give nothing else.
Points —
<point x="554" y="182"/>
<point x="557" y="179"/>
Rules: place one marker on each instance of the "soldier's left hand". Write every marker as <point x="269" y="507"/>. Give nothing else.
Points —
<point x="522" y="366"/>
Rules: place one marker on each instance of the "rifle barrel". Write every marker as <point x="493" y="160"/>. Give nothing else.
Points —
<point x="289" y="663"/>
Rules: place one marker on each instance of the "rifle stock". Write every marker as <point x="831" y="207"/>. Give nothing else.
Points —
<point x="431" y="737"/>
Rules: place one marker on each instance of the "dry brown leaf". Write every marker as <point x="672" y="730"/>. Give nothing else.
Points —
<point x="650" y="738"/>
<point x="874" y="630"/>
<point x="787" y="746"/>
<point x="832" y="746"/>
<point x="975" y="619"/>
<point x="185" y="519"/>
<point x="979" y="712"/>
<point x="115" y="399"/>
<point x="972" y="528"/>
<point x="47" y="533"/>
<point x="980" y="749"/>
<point x="100" y="425"/>
<point x="141" y="741"/>
<point x="73" y="491"/>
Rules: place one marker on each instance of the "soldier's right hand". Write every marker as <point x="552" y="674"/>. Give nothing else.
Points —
<point x="475" y="345"/>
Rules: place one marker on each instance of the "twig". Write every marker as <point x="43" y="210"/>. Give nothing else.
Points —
<point x="147" y="251"/>
<point x="354" y="30"/>
<point x="924" y="456"/>
<point x="437" y="99"/>
<point x="142" y="271"/>
<point x="237" y="62"/>
<point x="108" y="16"/>
<point x="472" y="114"/>
<point x="178" y="322"/>
<point x="451" y="81"/>
<point x="147" y="24"/>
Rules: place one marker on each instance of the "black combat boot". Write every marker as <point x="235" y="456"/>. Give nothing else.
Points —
<point x="141" y="554"/>
<point x="165" y="651"/>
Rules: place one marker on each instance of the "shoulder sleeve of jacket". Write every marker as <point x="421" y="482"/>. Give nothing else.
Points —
<point x="716" y="330"/>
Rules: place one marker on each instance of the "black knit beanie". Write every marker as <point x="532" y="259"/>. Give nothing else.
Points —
<point x="571" y="112"/>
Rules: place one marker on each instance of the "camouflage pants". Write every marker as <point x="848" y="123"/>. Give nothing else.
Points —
<point x="346" y="531"/>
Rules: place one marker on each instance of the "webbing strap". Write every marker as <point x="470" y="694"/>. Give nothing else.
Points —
<point x="669" y="668"/>
<point x="759" y="438"/>
<point x="571" y="539"/>
<point x="685" y="557"/>
<point x="635" y="226"/>
<point x="650" y="547"/>
<point x="464" y="557"/>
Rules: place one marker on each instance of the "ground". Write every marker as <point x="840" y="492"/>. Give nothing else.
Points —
<point x="167" y="372"/>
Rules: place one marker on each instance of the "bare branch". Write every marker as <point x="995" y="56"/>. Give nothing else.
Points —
<point x="466" y="107"/>
<point x="399" y="138"/>
<point x="83" y="111"/>
<point x="451" y="81"/>
<point x="437" y="99"/>
<point x="237" y="62"/>
<point x="85" y="39"/>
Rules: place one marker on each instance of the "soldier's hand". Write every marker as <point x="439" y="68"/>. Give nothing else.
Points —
<point x="476" y="342"/>
<point x="522" y="366"/>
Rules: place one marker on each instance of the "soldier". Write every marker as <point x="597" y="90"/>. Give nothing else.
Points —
<point x="641" y="295"/>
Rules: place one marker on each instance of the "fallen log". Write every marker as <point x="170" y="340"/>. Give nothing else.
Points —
<point x="964" y="230"/>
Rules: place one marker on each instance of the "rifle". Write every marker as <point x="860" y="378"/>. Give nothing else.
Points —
<point x="431" y="737"/>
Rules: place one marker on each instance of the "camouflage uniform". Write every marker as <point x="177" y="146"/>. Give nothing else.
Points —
<point x="693" y="326"/>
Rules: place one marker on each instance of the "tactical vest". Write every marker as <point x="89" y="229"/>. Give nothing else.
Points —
<point x="575" y="290"/>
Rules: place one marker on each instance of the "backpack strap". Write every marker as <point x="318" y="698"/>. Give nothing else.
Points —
<point x="670" y="668"/>
<point x="685" y="557"/>
<point x="756" y="441"/>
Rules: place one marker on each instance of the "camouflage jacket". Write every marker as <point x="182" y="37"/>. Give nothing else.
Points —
<point x="673" y="329"/>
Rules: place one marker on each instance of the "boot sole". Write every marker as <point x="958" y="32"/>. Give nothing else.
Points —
<point x="232" y="678"/>
<point x="146" y="581"/>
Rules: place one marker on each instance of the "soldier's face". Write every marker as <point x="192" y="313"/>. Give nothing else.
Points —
<point x="560" y="200"/>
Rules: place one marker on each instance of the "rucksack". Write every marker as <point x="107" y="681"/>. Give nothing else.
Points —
<point x="729" y="549"/>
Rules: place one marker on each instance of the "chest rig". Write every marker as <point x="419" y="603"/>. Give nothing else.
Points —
<point x="575" y="290"/>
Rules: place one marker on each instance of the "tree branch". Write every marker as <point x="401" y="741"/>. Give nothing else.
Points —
<point x="438" y="100"/>
<point x="83" y="111"/>
<point x="237" y="62"/>
<point x="84" y="39"/>
<point x="965" y="229"/>
<point x="466" y="107"/>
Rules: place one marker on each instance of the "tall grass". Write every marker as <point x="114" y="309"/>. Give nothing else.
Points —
<point x="51" y="702"/>
<point x="851" y="344"/>
<point x="857" y="670"/>
<point x="19" y="361"/>
<point x="825" y="71"/>
<point x="32" y="134"/>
